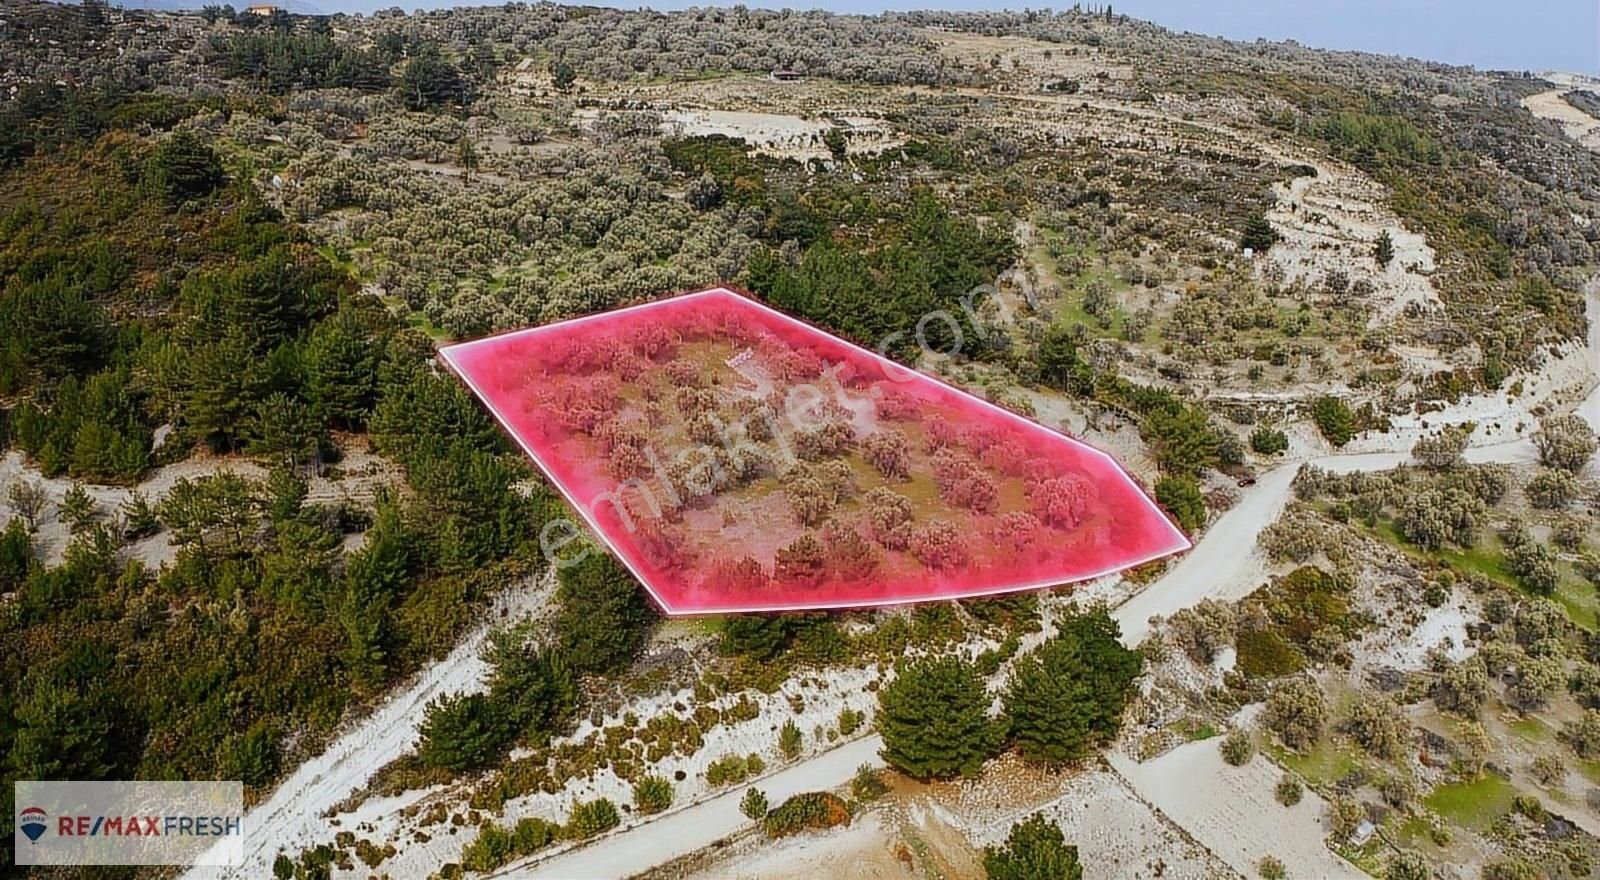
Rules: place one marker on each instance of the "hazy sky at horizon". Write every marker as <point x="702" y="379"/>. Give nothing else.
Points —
<point x="1535" y="35"/>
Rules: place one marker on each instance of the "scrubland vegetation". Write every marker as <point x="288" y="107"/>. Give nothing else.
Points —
<point x="243" y="502"/>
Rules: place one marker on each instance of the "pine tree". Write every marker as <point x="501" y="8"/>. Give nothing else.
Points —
<point x="285" y="495"/>
<point x="462" y="732"/>
<point x="754" y="804"/>
<point x="1383" y="250"/>
<point x="222" y="395"/>
<point x="1180" y="496"/>
<point x="138" y="517"/>
<point x="184" y="167"/>
<point x="283" y="430"/>
<point x="834" y="140"/>
<point x="16" y="555"/>
<point x="535" y="686"/>
<point x="1334" y="419"/>
<point x="1034" y="850"/>
<point x="562" y="74"/>
<point x="341" y="367"/>
<point x="189" y="512"/>
<point x="466" y="157"/>
<point x="935" y="721"/>
<point x="430" y="80"/>
<point x="373" y="580"/>
<point x="789" y="739"/>
<point x="604" y="618"/>
<point x="78" y="508"/>
<point x="1259" y="236"/>
<point x="55" y="327"/>
<point x="1068" y="696"/>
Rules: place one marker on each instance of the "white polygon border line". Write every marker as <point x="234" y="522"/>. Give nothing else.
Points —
<point x="447" y="352"/>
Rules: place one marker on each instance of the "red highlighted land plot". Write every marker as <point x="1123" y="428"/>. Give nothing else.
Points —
<point x="738" y="459"/>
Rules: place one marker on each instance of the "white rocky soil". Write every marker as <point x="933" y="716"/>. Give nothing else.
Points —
<point x="1578" y="125"/>
<point x="1232" y="810"/>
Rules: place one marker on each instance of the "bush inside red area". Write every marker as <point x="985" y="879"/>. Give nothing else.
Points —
<point x="737" y="459"/>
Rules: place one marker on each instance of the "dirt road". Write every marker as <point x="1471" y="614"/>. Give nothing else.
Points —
<point x="698" y="826"/>
<point x="1224" y="564"/>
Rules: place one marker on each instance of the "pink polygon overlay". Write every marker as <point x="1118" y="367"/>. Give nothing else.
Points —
<point x="999" y="503"/>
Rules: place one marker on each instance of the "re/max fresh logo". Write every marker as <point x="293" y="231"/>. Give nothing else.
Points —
<point x="33" y="823"/>
<point x="128" y="822"/>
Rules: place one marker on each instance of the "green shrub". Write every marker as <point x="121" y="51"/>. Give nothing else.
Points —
<point x="850" y="721"/>
<point x="1268" y="441"/>
<point x="1289" y="790"/>
<point x="753" y="804"/>
<point x="734" y="769"/>
<point x="590" y="818"/>
<point x="652" y="794"/>
<point x="812" y="809"/>
<point x="1410" y="865"/>
<point x="1238" y="748"/>
<point x="867" y="784"/>
<point x="495" y="846"/>
<point x="1510" y="869"/>
<point x="1264" y="653"/>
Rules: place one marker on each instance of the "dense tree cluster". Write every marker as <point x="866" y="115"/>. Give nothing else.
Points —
<point x="927" y="261"/>
<point x="619" y="44"/>
<point x="934" y="718"/>
<point x="1064" y="700"/>
<point x="1067" y="697"/>
<point x="1433" y="517"/>
<point x="280" y="60"/>
<point x="233" y="331"/>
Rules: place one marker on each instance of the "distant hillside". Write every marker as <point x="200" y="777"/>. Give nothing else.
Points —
<point x="292" y="6"/>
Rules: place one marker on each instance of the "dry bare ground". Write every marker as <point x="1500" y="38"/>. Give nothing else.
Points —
<point x="1578" y="125"/>
<point x="1232" y="812"/>
<point x="862" y="849"/>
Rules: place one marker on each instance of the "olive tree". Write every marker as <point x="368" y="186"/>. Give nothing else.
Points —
<point x="1443" y="450"/>
<point x="1378" y="725"/>
<point x="1565" y="442"/>
<point x="1551" y="489"/>
<point x="1296" y="711"/>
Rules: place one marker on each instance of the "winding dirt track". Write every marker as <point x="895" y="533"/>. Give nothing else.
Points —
<point x="1223" y="564"/>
